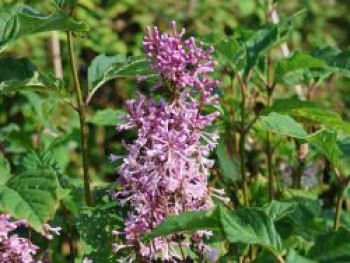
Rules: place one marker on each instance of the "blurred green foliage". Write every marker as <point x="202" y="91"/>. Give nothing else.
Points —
<point x="29" y="121"/>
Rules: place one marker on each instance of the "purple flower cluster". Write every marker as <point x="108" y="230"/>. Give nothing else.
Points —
<point x="14" y="248"/>
<point x="184" y="62"/>
<point x="167" y="168"/>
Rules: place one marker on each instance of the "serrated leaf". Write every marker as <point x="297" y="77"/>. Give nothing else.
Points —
<point x="35" y="193"/>
<point x="39" y="160"/>
<point x="108" y="117"/>
<point x="20" y="20"/>
<point x="332" y="247"/>
<point x="278" y="209"/>
<point x="104" y="68"/>
<point x="32" y="195"/>
<point x="282" y="124"/>
<point x="21" y="74"/>
<point x="251" y="226"/>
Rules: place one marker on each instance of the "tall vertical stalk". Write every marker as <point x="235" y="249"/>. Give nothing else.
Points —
<point x="338" y="210"/>
<point x="269" y="151"/>
<point x="242" y="142"/>
<point x="82" y="118"/>
<point x="270" y="86"/>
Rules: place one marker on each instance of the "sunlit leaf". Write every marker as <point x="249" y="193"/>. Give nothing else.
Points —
<point x="33" y="195"/>
<point x="20" y="20"/>
<point x="104" y="68"/>
<point x="283" y="125"/>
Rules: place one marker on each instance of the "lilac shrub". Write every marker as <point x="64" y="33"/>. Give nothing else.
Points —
<point x="167" y="168"/>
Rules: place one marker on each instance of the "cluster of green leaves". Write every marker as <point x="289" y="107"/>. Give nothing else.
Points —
<point x="293" y="227"/>
<point x="41" y="132"/>
<point x="39" y="190"/>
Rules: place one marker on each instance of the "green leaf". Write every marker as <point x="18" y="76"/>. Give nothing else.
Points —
<point x="326" y="142"/>
<point x="4" y="169"/>
<point x="328" y="119"/>
<point x="286" y="106"/>
<point x="261" y="40"/>
<point x="246" y="226"/>
<point x="20" y="20"/>
<point x="187" y="222"/>
<point x="95" y="226"/>
<point x="21" y="74"/>
<point x="283" y="125"/>
<point x="32" y="195"/>
<point x="296" y="62"/>
<point x="230" y="52"/>
<point x="309" y="113"/>
<point x="264" y="39"/>
<point x="251" y="226"/>
<point x="344" y="146"/>
<point x="277" y="210"/>
<point x="305" y="215"/>
<point x="336" y="60"/>
<point x="35" y="193"/>
<point x="104" y="68"/>
<point x="63" y="4"/>
<point x="228" y="165"/>
<point x="332" y="247"/>
<point x="294" y="257"/>
<point x="108" y="117"/>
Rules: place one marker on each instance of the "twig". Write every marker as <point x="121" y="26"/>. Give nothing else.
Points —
<point x="82" y="119"/>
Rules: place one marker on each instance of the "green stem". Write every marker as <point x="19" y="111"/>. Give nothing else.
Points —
<point x="338" y="210"/>
<point x="242" y="143"/>
<point x="300" y="166"/>
<point x="269" y="154"/>
<point x="82" y="118"/>
<point x="299" y="174"/>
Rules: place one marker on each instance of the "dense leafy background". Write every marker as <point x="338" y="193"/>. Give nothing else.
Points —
<point x="39" y="134"/>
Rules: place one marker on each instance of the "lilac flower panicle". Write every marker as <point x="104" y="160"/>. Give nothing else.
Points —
<point x="167" y="167"/>
<point x="184" y="62"/>
<point x="13" y="248"/>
